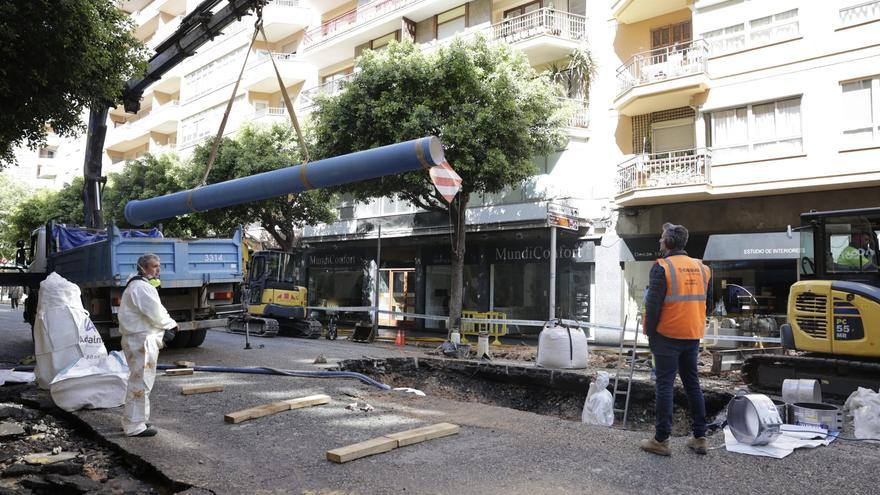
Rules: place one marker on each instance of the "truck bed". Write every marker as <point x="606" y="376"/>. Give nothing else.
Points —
<point x="185" y="263"/>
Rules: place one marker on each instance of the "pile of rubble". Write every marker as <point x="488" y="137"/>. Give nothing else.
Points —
<point x="42" y="454"/>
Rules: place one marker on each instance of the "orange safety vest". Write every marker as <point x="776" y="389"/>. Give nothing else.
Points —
<point x="683" y="315"/>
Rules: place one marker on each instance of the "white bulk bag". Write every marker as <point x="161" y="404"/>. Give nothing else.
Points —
<point x="561" y="347"/>
<point x="63" y="332"/>
<point x="92" y="383"/>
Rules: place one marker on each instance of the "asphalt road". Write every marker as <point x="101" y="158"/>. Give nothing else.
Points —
<point x="15" y="335"/>
<point x="498" y="451"/>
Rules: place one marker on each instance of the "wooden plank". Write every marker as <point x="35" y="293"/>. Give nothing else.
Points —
<point x="179" y="372"/>
<point x="184" y="364"/>
<point x="200" y="389"/>
<point x="312" y="400"/>
<point x="424" y="433"/>
<point x="362" y="449"/>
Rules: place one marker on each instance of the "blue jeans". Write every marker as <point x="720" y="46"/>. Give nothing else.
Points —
<point x="671" y="356"/>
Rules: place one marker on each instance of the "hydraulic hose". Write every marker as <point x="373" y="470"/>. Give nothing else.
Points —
<point x="262" y="370"/>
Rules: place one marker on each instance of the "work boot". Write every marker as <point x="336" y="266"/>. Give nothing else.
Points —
<point x="149" y="432"/>
<point x="653" y="446"/>
<point x="698" y="444"/>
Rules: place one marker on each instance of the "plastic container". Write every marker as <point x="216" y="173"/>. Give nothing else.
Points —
<point x="562" y="346"/>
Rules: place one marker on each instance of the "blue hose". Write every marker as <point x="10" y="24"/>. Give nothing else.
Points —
<point x="267" y="371"/>
<point x="262" y="370"/>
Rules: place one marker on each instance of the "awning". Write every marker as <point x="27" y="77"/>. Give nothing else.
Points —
<point x="741" y="247"/>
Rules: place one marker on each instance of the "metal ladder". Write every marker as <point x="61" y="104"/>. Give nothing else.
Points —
<point x="629" y="369"/>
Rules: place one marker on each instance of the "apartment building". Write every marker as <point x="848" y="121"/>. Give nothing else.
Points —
<point x="507" y="261"/>
<point x="50" y="167"/>
<point x="733" y="117"/>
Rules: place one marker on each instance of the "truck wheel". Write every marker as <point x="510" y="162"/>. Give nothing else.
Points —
<point x="196" y="337"/>
<point x="180" y="340"/>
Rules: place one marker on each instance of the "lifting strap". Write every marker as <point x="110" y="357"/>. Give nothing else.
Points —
<point x="258" y="29"/>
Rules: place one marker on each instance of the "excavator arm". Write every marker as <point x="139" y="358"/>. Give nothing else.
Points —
<point x="196" y="29"/>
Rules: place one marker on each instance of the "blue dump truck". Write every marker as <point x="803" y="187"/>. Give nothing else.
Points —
<point x="201" y="279"/>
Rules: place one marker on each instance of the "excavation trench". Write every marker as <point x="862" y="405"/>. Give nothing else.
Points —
<point x="558" y="393"/>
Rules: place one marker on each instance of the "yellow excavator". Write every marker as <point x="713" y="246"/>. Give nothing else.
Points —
<point x="833" y="309"/>
<point x="273" y="301"/>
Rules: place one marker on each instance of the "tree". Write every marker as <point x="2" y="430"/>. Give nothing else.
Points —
<point x="56" y="59"/>
<point x="147" y="177"/>
<point x="12" y="193"/>
<point x="255" y="150"/>
<point x="492" y="111"/>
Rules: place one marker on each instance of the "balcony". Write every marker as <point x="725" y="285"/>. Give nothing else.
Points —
<point x="282" y="18"/>
<point x="260" y="76"/>
<point x="136" y="131"/>
<point x="579" y="121"/>
<point x="46" y="168"/>
<point x="672" y="175"/>
<point x="631" y="11"/>
<point x="662" y="78"/>
<point x="544" y="34"/>
<point x="352" y="18"/>
<point x="271" y="115"/>
<point x="859" y="14"/>
<point x="307" y="97"/>
<point x="163" y="32"/>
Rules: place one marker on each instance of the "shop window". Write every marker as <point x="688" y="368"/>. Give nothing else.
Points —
<point x="336" y="286"/>
<point x="860" y="112"/>
<point x="765" y="129"/>
<point x="450" y="22"/>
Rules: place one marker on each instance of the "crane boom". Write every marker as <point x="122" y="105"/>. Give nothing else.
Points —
<point x="197" y="28"/>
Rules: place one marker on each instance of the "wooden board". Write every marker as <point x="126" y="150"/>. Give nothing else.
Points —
<point x="275" y="407"/>
<point x="312" y="400"/>
<point x="390" y="442"/>
<point x="424" y="433"/>
<point x="184" y="364"/>
<point x="200" y="389"/>
<point x="179" y="372"/>
<point x="362" y="449"/>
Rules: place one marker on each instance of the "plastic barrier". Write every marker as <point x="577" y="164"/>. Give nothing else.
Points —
<point x="489" y="324"/>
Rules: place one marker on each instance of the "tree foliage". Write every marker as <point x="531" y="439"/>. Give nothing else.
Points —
<point x="58" y="58"/>
<point x="256" y="150"/>
<point x="12" y="193"/>
<point x="489" y="107"/>
<point x="35" y="209"/>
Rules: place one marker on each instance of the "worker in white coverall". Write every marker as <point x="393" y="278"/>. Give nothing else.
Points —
<point x="145" y="327"/>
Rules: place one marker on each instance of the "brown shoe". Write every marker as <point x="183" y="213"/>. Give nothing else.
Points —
<point x="698" y="444"/>
<point x="653" y="446"/>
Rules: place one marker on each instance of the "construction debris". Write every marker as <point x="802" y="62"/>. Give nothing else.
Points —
<point x="200" y="389"/>
<point x="390" y="442"/>
<point x="321" y="359"/>
<point x="359" y="406"/>
<point x="275" y="407"/>
<point x="184" y="364"/>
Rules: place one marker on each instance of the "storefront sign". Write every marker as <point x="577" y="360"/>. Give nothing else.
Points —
<point x="767" y="246"/>
<point x="335" y="259"/>
<point x="562" y="216"/>
<point x="579" y="253"/>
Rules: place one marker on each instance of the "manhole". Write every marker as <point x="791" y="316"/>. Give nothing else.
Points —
<point x="558" y="393"/>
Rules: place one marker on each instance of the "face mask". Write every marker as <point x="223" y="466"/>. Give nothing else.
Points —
<point x="155" y="282"/>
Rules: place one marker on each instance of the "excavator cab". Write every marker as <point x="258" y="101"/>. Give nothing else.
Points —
<point x="834" y="308"/>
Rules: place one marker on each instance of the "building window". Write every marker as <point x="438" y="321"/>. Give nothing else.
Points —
<point x="382" y="42"/>
<point x="755" y="33"/>
<point x="205" y="79"/>
<point x="204" y="123"/>
<point x="47" y="153"/>
<point x="861" y="112"/>
<point x="523" y="9"/>
<point x="671" y="35"/>
<point x="450" y="22"/>
<point x="756" y="131"/>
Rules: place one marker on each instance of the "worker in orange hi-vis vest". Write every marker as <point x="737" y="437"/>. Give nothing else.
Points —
<point x="678" y="297"/>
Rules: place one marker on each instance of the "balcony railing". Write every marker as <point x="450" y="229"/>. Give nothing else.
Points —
<point x="857" y="14"/>
<point x="307" y="97"/>
<point x="673" y="168"/>
<point x="683" y="59"/>
<point x="541" y="22"/>
<point x="270" y="112"/>
<point x="352" y="18"/>
<point x="581" y="116"/>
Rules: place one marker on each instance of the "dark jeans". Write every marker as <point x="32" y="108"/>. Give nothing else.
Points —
<point x="671" y="356"/>
<point x="14" y="302"/>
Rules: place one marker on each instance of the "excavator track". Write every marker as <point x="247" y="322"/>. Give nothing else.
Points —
<point x="838" y="377"/>
<point x="258" y="327"/>
<point x="309" y="329"/>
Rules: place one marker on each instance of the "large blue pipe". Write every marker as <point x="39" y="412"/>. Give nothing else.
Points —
<point x="355" y="167"/>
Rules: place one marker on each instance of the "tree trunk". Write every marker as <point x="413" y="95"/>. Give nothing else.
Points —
<point x="457" y="210"/>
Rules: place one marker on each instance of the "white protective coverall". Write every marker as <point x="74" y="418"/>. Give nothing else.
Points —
<point x="142" y="323"/>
